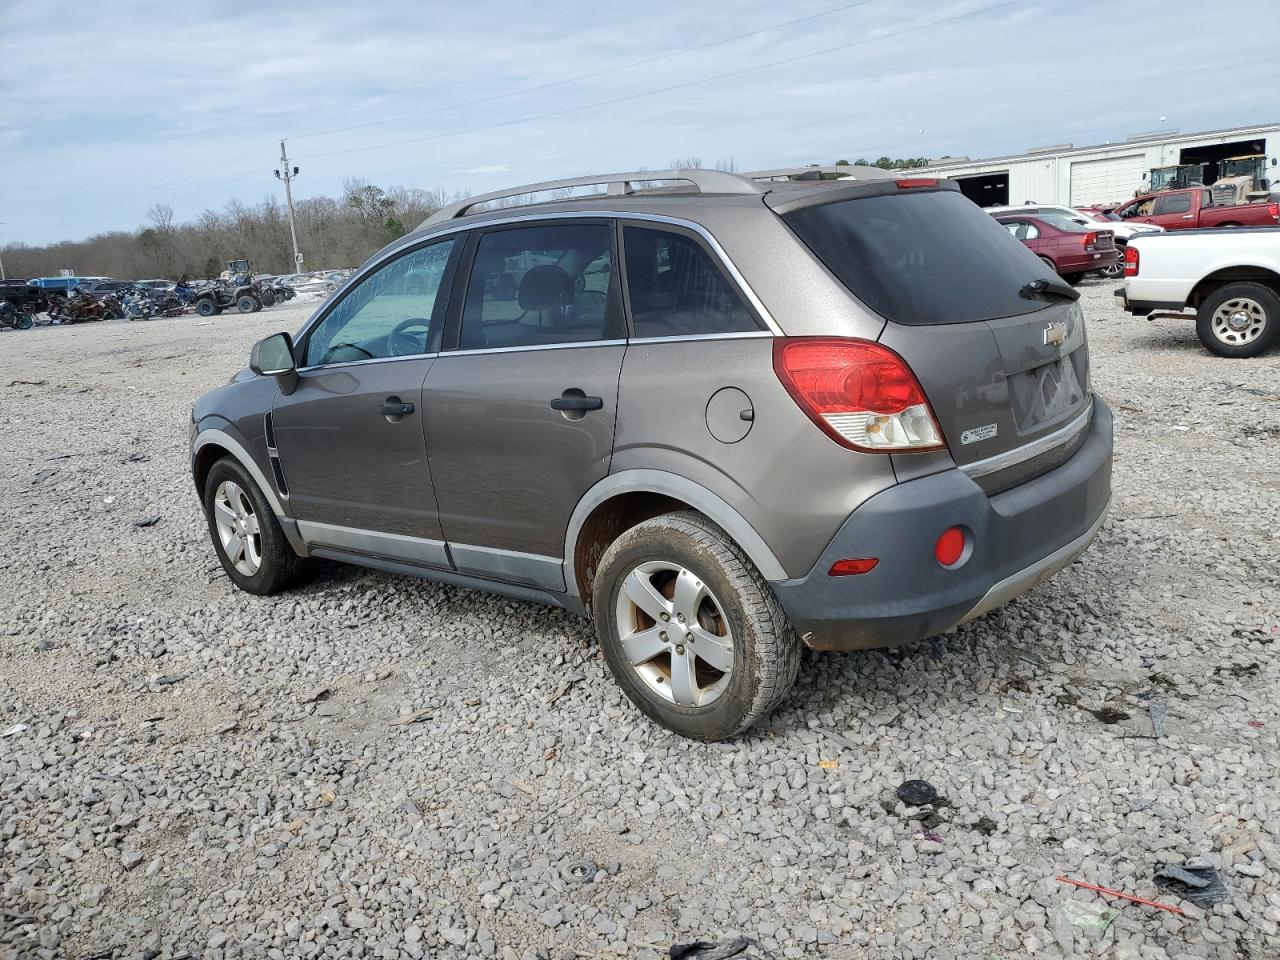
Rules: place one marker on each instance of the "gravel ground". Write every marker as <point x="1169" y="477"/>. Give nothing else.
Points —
<point x="380" y="767"/>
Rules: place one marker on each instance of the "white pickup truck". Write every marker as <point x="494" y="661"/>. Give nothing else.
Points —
<point x="1230" y="277"/>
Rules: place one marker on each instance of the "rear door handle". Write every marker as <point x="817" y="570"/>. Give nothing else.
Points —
<point x="575" y="401"/>
<point x="394" y="408"/>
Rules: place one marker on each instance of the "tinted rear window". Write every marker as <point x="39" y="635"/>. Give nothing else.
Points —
<point x="922" y="258"/>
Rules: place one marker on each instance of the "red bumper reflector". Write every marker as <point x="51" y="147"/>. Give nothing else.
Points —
<point x="852" y="567"/>
<point x="950" y="546"/>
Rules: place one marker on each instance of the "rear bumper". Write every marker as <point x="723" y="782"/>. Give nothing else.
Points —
<point x="1083" y="262"/>
<point x="1017" y="538"/>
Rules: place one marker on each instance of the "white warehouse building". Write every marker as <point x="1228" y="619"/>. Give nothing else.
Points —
<point x="1107" y="173"/>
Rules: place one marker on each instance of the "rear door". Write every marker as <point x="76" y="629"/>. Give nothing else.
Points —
<point x="520" y="410"/>
<point x="1001" y="364"/>
<point x="349" y="438"/>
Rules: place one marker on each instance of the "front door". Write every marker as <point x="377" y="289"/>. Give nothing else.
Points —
<point x="350" y="437"/>
<point x="520" y="416"/>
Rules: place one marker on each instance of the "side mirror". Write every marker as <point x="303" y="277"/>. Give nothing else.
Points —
<point x="273" y="357"/>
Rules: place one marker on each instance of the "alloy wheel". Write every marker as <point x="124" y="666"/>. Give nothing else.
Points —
<point x="674" y="633"/>
<point x="238" y="527"/>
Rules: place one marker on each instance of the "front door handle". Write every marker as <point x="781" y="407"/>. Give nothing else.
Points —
<point x="394" y="408"/>
<point x="575" y="400"/>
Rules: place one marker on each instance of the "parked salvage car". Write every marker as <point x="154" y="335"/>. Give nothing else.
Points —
<point x="1230" y="278"/>
<point x="1066" y="247"/>
<point x="724" y="423"/>
<point x="1195" y="207"/>
<point x="1091" y="218"/>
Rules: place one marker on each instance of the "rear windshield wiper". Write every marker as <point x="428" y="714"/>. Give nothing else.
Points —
<point x="1048" y="286"/>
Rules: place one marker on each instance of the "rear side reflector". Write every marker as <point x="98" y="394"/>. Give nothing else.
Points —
<point x="910" y="183"/>
<point x="862" y="394"/>
<point x="950" y="547"/>
<point x="853" y="566"/>
<point x="1131" y="260"/>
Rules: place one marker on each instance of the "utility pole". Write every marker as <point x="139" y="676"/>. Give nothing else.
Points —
<point x="287" y="176"/>
<point x="2" y="276"/>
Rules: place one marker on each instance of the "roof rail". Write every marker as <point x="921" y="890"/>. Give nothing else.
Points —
<point x="852" y="171"/>
<point x="619" y="184"/>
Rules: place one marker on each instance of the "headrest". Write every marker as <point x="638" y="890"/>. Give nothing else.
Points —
<point x="545" y="287"/>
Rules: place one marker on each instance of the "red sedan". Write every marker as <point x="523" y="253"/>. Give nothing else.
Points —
<point x="1070" y="249"/>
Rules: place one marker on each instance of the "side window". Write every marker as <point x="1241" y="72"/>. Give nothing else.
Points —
<point x="541" y="286"/>
<point x="675" y="290"/>
<point x="1143" y="209"/>
<point x="1017" y="229"/>
<point x="1206" y="198"/>
<point x="1174" y="203"/>
<point x="393" y="312"/>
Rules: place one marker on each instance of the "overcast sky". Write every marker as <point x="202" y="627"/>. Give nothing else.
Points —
<point x="110" y="108"/>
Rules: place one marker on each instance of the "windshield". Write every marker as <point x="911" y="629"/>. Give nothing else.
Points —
<point x="922" y="258"/>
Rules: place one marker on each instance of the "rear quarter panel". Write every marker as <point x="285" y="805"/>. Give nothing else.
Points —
<point x="786" y="478"/>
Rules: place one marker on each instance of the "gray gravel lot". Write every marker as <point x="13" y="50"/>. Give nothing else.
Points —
<point x="187" y="770"/>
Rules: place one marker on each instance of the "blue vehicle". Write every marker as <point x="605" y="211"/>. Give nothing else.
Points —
<point x="62" y="284"/>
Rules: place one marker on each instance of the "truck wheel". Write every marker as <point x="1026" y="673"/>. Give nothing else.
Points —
<point x="1239" y="319"/>
<point x="689" y="628"/>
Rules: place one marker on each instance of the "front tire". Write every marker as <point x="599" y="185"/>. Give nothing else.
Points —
<point x="206" y="307"/>
<point x="690" y="630"/>
<point x="247" y="537"/>
<point x="1239" y="320"/>
<point x="247" y="304"/>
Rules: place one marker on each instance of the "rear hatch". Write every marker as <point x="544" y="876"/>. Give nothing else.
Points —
<point x="996" y="340"/>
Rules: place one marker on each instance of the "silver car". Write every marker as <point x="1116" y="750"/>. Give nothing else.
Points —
<point x="725" y="419"/>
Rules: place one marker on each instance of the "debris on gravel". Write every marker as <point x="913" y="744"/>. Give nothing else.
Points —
<point x="186" y="769"/>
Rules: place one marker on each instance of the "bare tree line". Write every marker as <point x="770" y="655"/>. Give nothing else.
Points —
<point x="332" y="233"/>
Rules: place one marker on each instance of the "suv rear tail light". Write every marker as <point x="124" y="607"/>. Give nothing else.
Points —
<point x="1131" y="261"/>
<point x="863" y="395"/>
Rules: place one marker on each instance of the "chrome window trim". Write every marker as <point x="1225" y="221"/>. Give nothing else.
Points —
<point x="529" y="347"/>
<point x="454" y="227"/>
<point x="342" y="364"/>
<point x="1010" y="458"/>
<point x="681" y="338"/>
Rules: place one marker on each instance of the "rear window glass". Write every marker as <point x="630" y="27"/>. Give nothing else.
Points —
<point x="922" y="258"/>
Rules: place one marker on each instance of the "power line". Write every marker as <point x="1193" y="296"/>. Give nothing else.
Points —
<point x="585" y="76"/>
<point x="668" y="89"/>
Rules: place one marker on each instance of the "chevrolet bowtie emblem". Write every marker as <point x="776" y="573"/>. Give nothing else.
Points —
<point x="1055" y="334"/>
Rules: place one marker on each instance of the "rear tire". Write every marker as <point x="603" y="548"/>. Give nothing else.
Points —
<point x="1239" y="320"/>
<point x="206" y="307"/>
<point x="1053" y="267"/>
<point x="1073" y="278"/>
<point x="250" y="535"/>
<point x="268" y="298"/>
<point x="247" y="304"/>
<point x="732" y="659"/>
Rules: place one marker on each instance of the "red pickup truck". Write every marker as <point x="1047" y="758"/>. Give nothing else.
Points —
<point x="1194" y="207"/>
